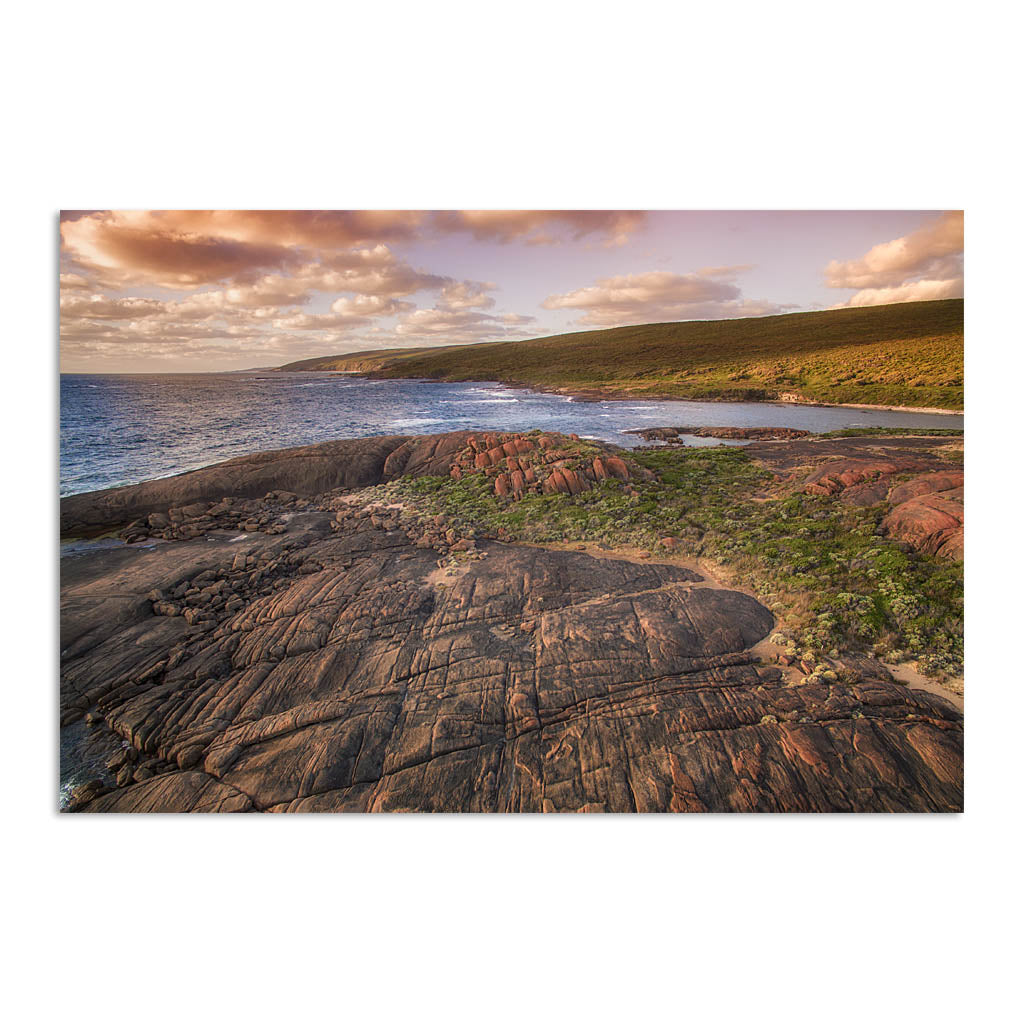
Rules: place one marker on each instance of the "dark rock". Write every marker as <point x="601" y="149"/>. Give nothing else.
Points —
<point x="533" y="680"/>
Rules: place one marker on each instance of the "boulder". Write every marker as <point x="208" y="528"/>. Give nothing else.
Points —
<point x="931" y="524"/>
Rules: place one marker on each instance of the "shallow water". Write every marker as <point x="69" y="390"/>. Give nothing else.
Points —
<point x="84" y="752"/>
<point x="123" y="429"/>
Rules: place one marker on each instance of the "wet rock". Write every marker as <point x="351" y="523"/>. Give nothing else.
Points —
<point x="87" y="791"/>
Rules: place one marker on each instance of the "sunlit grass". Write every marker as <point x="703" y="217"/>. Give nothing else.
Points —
<point x="905" y="354"/>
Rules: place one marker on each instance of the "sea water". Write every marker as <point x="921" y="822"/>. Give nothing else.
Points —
<point x="126" y="428"/>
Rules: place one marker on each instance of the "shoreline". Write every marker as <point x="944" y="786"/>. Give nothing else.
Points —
<point x="598" y="394"/>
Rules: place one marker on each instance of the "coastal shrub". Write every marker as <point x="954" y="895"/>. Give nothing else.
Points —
<point x="832" y="581"/>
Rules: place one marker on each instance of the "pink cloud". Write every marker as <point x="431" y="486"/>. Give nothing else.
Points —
<point x="467" y="295"/>
<point x="659" y="295"/>
<point x="926" y="264"/>
<point x="542" y="227"/>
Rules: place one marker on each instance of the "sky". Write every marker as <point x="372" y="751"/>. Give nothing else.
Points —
<point x="174" y="291"/>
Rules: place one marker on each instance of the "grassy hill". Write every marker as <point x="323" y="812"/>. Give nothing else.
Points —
<point x="905" y="354"/>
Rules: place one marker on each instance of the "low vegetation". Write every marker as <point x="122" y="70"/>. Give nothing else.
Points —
<point x="908" y="354"/>
<point x="892" y="431"/>
<point x="834" y="583"/>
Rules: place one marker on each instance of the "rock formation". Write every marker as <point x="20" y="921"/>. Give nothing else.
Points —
<point x="368" y="660"/>
<point x="928" y="509"/>
<point x="541" y="464"/>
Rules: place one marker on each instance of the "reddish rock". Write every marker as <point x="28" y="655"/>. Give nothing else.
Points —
<point x="481" y="461"/>
<point x="502" y="486"/>
<point x="953" y="546"/>
<point x="573" y="481"/>
<point x="867" y="493"/>
<point x="555" y="483"/>
<point x="517" y="479"/>
<point x="616" y="467"/>
<point x="836" y="476"/>
<point x="927" y="483"/>
<point x="930" y="523"/>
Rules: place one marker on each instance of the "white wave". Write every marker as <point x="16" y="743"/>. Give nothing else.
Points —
<point x="414" y="423"/>
<point x="478" y="401"/>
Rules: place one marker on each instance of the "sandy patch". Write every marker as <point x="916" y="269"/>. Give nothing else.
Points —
<point x="908" y="675"/>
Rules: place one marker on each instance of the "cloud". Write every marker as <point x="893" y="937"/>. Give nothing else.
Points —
<point x="345" y="314"/>
<point x="529" y="225"/>
<point x="917" y="291"/>
<point x="460" y="326"/>
<point x="430" y="322"/>
<point x="141" y="248"/>
<point x="193" y="248"/>
<point x="100" y="307"/>
<point x="660" y="295"/>
<point x="74" y="282"/>
<point x="731" y="271"/>
<point x="926" y="264"/>
<point x="467" y="295"/>
<point x="306" y="279"/>
<point x="396" y="279"/>
<point x="187" y="248"/>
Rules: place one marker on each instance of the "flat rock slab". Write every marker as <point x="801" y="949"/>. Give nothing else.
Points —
<point x="360" y="677"/>
<point x="783" y="456"/>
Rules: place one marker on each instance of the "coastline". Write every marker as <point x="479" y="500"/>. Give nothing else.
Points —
<point x="598" y="394"/>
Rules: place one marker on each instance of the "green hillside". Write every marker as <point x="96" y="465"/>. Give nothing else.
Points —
<point x="905" y="354"/>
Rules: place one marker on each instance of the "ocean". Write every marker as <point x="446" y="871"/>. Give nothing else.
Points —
<point x="123" y="429"/>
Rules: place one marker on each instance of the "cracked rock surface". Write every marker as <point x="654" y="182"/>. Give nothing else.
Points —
<point x="336" y="667"/>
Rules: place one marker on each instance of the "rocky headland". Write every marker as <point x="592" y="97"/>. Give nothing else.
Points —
<point x="384" y="624"/>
